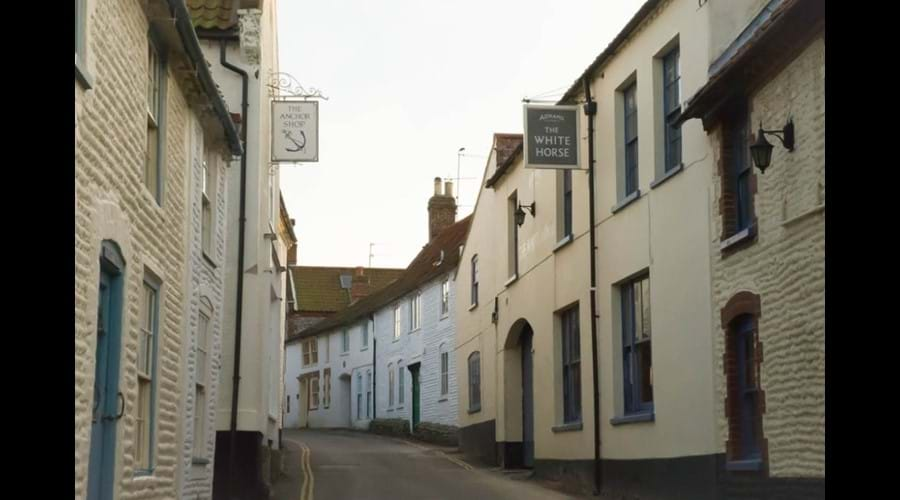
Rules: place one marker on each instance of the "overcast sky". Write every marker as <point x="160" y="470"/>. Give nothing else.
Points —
<point x="409" y="82"/>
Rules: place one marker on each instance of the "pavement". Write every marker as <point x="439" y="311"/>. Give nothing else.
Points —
<point x="343" y="464"/>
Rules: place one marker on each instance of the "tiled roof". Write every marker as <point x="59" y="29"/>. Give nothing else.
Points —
<point x="439" y="256"/>
<point x="213" y="14"/>
<point x="319" y="288"/>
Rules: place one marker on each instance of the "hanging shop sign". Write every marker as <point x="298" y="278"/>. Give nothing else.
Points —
<point x="295" y="131"/>
<point x="552" y="136"/>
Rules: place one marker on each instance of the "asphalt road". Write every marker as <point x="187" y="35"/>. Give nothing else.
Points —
<point x="340" y="464"/>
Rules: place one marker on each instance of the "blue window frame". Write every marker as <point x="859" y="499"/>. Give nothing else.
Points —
<point x="631" y="139"/>
<point x="672" y="108"/>
<point x="571" y="365"/>
<point x="747" y="387"/>
<point x="738" y="156"/>
<point x="636" y="346"/>
<point x="147" y="379"/>
<point x="567" y="203"/>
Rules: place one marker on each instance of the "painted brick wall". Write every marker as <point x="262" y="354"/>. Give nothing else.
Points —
<point x="786" y="267"/>
<point x="111" y="202"/>
<point x="206" y="281"/>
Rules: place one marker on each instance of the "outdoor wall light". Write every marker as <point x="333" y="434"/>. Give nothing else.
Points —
<point x="520" y="214"/>
<point x="761" y="150"/>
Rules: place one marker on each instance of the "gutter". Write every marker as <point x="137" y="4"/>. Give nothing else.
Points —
<point x="192" y="44"/>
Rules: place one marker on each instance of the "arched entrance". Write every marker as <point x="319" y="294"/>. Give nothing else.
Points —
<point x="518" y="450"/>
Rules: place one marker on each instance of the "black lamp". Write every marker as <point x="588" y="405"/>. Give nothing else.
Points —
<point x="761" y="150"/>
<point x="520" y="214"/>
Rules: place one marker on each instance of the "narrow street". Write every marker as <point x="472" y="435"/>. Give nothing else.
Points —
<point x="357" y="465"/>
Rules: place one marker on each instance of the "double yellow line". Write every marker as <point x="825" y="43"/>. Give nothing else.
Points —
<point x="306" y="491"/>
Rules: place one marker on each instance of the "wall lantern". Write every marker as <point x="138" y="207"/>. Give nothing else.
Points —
<point x="761" y="150"/>
<point x="520" y="214"/>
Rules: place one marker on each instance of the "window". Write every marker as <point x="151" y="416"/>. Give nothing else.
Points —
<point x="288" y="403"/>
<point x="415" y="311"/>
<point x="396" y="321"/>
<point x="637" y="359"/>
<point x="445" y="297"/>
<point x="155" y="111"/>
<point x="474" y="381"/>
<point x="512" y="236"/>
<point x="80" y="32"/>
<point x="631" y="139"/>
<point x="565" y="193"/>
<point x="327" y="344"/>
<point x="314" y="393"/>
<point x="390" y="386"/>
<point x="310" y="352"/>
<point x="368" y="393"/>
<point x="744" y="390"/>
<point x="571" y="366"/>
<point x="201" y="356"/>
<point x="345" y="341"/>
<point x="359" y="391"/>
<point x="474" y="280"/>
<point x="146" y="415"/>
<point x="364" y="329"/>
<point x="736" y="177"/>
<point x="445" y="371"/>
<point x="672" y="109"/>
<point x="400" y="379"/>
<point x="207" y="197"/>
<point x="326" y="388"/>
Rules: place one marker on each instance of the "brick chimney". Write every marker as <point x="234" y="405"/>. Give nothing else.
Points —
<point x="441" y="208"/>
<point x="360" y="286"/>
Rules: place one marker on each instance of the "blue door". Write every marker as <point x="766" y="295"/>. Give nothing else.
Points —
<point x="108" y="404"/>
<point x="527" y="398"/>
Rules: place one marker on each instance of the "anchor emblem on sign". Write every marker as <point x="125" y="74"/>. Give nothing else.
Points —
<point x="299" y="145"/>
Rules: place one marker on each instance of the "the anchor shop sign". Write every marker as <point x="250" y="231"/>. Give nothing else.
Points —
<point x="552" y="137"/>
<point x="295" y="131"/>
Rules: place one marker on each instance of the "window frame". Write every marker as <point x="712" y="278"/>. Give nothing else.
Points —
<point x="207" y="201"/>
<point x="630" y="122"/>
<point x="445" y="297"/>
<point x="570" y="364"/>
<point x="326" y="387"/>
<point x="567" y="204"/>
<point x="474" y="381"/>
<point x="445" y="370"/>
<point x="390" y="385"/>
<point x="150" y="378"/>
<point x="156" y="116"/>
<point x="314" y="392"/>
<point x="632" y="376"/>
<point x="415" y="312"/>
<point x="364" y="329"/>
<point x="359" y="393"/>
<point x="345" y="340"/>
<point x="398" y="327"/>
<point x="400" y="384"/>
<point x="473" y="293"/>
<point x="671" y="110"/>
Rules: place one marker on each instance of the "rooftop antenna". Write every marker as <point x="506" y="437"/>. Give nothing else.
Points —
<point x="371" y="254"/>
<point x="459" y="154"/>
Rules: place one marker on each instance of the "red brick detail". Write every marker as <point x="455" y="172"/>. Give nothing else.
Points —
<point x="743" y="302"/>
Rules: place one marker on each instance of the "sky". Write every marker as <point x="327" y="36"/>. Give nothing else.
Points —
<point x="408" y="83"/>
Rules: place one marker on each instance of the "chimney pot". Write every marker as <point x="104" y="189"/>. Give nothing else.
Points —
<point x="437" y="186"/>
<point x="448" y="188"/>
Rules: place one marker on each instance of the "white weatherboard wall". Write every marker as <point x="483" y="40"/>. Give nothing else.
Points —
<point x="344" y="366"/>
<point x="422" y="345"/>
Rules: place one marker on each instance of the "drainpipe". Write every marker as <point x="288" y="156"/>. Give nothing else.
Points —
<point x="590" y="109"/>
<point x="374" y="369"/>
<point x="239" y="310"/>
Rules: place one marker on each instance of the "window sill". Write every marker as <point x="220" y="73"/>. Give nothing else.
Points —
<point x="445" y="316"/>
<point x="628" y="200"/>
<point x="474" y="410"/>
<point x="473" y="306"/>
<point x="812" y="211"/>
<point x="398" y="408"/>
<point x="344" y="354"/>
<point x="209" y="260"/>
<point x="364" y="349"/>
<point x="668" y="175"/>
<point x="443" y="399"/>
<point x="143" y="474"/>
<point x="390" y="410"/>
<point x="563" y="242"/>
<point x="199" y="461"/>
<point x="417" y="330"/>
<point x="635" y="418"/>
<point x="574" y="426"/>
<point x="744" y="465"/>
<point x="744" y="236"/>
<point x="512" y="279"/>
<point x="82" y="76"/>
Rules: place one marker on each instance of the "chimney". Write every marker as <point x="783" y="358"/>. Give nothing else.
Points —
<point x="292" y="255"/>
<point x="360" y="286"/>
<point x="441" y="209"/>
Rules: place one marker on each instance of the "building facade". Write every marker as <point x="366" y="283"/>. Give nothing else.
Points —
<point x="768" y="248"/>
<point x="388" y="355"/>
<point x="239" y="39"/>
<point x="145" y="105"/>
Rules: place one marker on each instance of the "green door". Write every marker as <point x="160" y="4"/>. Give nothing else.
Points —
<point x="415" y="396"/>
